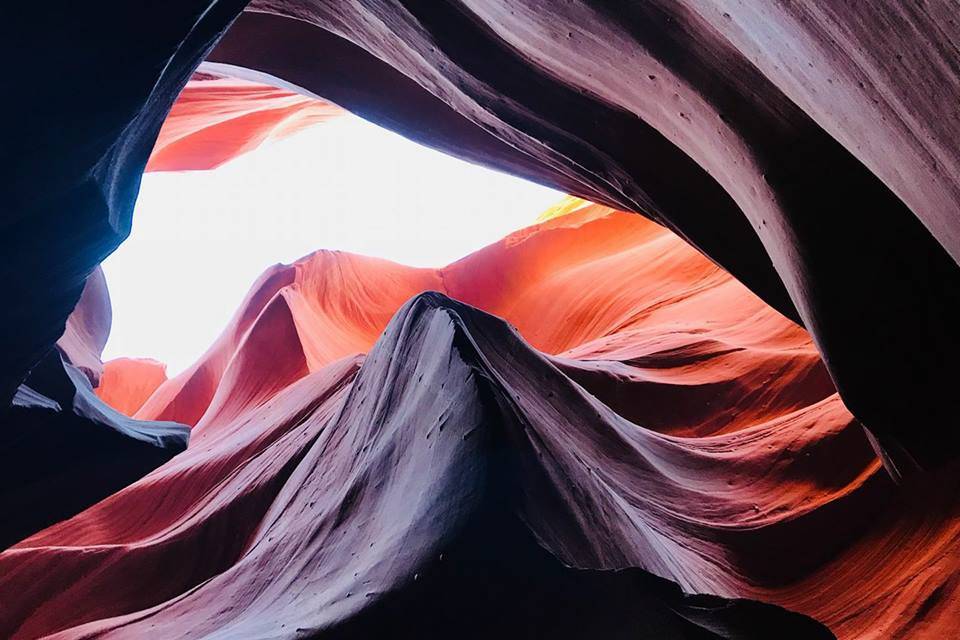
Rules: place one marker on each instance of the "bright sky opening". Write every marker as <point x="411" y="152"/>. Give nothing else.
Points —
<point x="201" y="238"/>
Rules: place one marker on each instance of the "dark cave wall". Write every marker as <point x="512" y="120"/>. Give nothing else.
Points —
<point x="808" y="148"/>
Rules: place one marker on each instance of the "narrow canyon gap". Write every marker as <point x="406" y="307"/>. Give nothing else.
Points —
<point x="744" y="346"/>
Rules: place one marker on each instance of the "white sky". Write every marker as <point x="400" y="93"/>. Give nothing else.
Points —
<point x="201" y="238"/>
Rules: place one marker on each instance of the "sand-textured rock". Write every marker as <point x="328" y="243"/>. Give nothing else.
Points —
<point x="808" y="148"/>
<point x="371" y="455"/>
<point x="649" y="425"/>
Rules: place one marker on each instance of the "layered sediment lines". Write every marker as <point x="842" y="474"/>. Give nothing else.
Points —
<point x="761" y="132"/>
<point x="627" y="406"/>
<point x="62" y="448"/>
<point x="809" y="148"/>
<point x="217" y="118"/>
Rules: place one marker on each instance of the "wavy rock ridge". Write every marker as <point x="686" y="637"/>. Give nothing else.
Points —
<point x="653" y="416"/>
<point x="819" y="167"/>
<point x="217" y="118"/>
<point x="61" y="447"/>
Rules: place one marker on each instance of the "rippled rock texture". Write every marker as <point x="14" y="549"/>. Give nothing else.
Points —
<point x="649" y="414"/>
<point x="808" y="148"/>
<point x="368" y="453"/>
<point x="61" y="447"/>
<point x="217" y="118"/>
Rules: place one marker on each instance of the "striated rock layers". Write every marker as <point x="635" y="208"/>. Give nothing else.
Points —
<point x="373" y="452"/>
<point x="653" y="428"/>
<point x="61" y="447"/>
<point x="216" y="118"/>
<point x="809" y="148"/>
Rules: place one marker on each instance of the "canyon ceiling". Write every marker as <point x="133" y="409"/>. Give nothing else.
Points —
<point x="808" y="149"/>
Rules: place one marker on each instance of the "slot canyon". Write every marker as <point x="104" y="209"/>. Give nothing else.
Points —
<point x="706" y="394"/>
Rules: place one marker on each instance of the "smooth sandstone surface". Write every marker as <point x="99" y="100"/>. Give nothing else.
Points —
<point x="761" y="132"/>
<point x="62" y="448"/>
<point x="88" y="328"/>
<point x="807" y="148"/>
<point x="372" y="451"/>
<point x="651" y="415"/>
<point x="126" y="383"/>
<point x="217" y="118"/>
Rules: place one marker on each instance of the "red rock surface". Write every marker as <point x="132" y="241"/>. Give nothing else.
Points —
<point x="761" y="132"/>
<point x="217" y="118"/>
<point x="126" y="383"/>
<point x="809" y="148"/>
<point x="361" y="461"/>
<point x="88" y="328"/>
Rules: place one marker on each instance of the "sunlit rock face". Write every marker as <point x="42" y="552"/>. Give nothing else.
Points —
<point x="377" y="447"/>
<point x="126" y="383"/>
<point x="807" y="148"/>
<point x="88" y="328"/>
<point x="589" y="394"/>
<point x="762" y="132"/>
<point x="217" y="118"/>
<point x="61" y="447"/>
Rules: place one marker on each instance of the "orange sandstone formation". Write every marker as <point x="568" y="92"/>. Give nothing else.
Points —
<point x="126" y="383"/>
<point x="217" y="118"/>
<point x="462" y="479"/>
<point x="808" y="148"/>
<point x="368" y="455"/>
